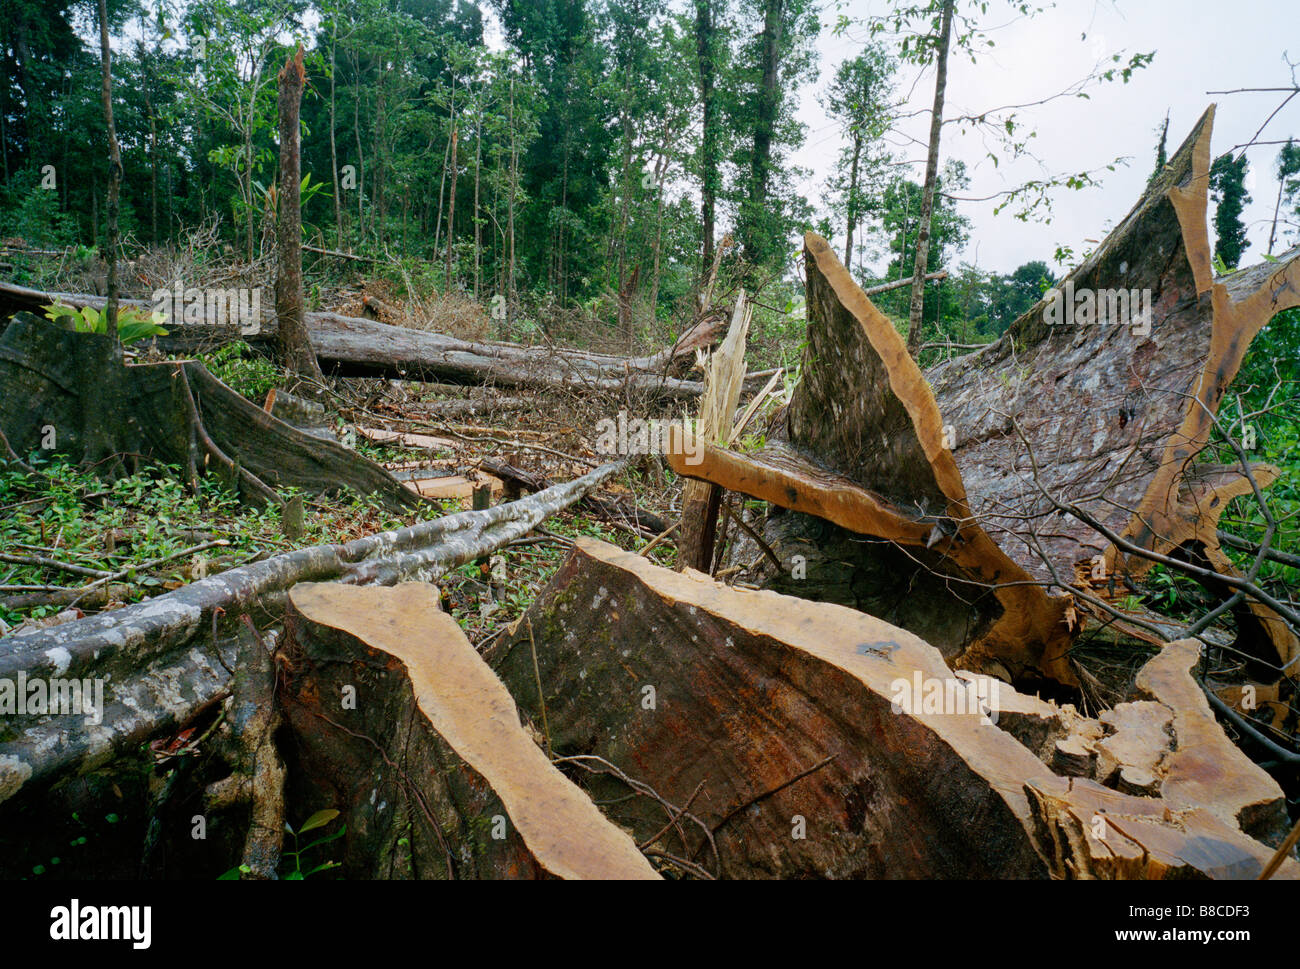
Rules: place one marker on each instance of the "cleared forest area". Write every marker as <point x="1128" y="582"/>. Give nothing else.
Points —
<point x="445" y="443"/>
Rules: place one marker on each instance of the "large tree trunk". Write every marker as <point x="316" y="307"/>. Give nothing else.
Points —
<point x="980" y="485"/>
<point x="802" y="739"/>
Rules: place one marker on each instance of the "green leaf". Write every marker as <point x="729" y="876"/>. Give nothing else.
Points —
<point x="318" y="820"/>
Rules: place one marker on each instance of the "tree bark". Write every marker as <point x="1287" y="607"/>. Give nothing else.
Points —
<point x="294" y="344"/>
<point x="989" y="471"/>
<point x="782" y="724"/>
<point x="462" y="790"/>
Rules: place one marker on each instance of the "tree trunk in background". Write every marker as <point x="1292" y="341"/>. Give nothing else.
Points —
<point x="451" y="201"/>
<point x="334" y="152"/>
<point x="927" y="195"/>
<point x="294" y="346"/>
<point x="361" y="158"/>
<point x="704" y="48"/>
<point x="114" y="179"/>
<point x="478" y="167"/>
<point x="768" y="109"/>
<point x="514" y="188"/>
<point x="853" y="197"/>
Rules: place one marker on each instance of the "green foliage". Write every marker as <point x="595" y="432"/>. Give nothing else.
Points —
<point x="33" y="214"/>
<point x="1228" y="190"/>
<point x="1261" y="411"/>
<point x="153" y="513"/>
<point x="243" y="370"/>
<point x="132" y="325"/>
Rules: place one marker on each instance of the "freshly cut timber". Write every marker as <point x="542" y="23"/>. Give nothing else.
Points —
<point x="167" y="658"/>
<point x="433" y="771"/>
<point x="63" y="391"/>
<point x="353" y="347"/>
<point x="812" y="740"/>
<point x="951" y="494"/>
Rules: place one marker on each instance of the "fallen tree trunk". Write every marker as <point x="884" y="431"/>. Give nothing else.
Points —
<point x="351" y="347"/>
<point x="811" y="740"/>
<point x="164" y="659"/>
<point x="611" y="509"/>
<point x="954" y="502"/>
<point x="433" y="772"/>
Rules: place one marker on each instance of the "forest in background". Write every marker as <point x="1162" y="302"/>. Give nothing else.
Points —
<point x="594" y="161"/>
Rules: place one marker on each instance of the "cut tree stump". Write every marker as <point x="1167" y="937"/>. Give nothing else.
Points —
<point x="174" y="413"/>
<point x="434" y="774"/>
<point x="784" y="725"/>
<point x="938" y="492"/>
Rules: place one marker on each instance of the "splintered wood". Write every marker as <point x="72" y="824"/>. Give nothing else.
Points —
<point x="963" y="479"/>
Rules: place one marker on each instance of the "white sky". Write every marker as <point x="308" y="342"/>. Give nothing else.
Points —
<point x="1200" y="45"/>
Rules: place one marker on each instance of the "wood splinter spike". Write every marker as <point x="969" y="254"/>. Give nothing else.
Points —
<point x="949" y="472"/>
<point x="436" y="775"/>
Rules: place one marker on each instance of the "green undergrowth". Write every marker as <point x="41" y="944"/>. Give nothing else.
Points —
<point x="70" y="514"/>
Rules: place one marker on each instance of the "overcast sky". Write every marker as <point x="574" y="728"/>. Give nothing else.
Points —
<point x="1200" y="45"/>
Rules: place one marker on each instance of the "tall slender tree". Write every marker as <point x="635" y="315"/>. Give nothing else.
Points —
<point x="111" y="234"/>
<point x="295" y="346"/>
<point x="1228" y="189"/>
<point x="931" y="173"/>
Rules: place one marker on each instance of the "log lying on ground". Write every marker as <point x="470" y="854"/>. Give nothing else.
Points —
<point x="433" y="772"/>
<point x="946" y="493"/>
<point x="163" y="658"/>
<point x="787" y="729"/>
<point x="353" y="347"/>
<point x="67" y="385"/>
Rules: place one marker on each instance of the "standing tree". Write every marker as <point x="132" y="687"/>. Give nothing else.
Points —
<point x="707" y="43"/>
<point x="940" y="45"/>
<point x="1288" y="184"/>
<point x="929" y="30"/>
<point x="295" y="347"/>
<point x="859" y="100"/>
<point x="114" y="179"/>
<point x="778" y="58"/>
<point x="1228" y="189"/>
